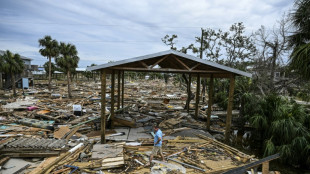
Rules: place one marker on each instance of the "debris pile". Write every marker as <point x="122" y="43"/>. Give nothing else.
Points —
<point x="46" y="132"/>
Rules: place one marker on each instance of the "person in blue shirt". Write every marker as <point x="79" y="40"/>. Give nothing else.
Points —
<point x="158" y="139"/>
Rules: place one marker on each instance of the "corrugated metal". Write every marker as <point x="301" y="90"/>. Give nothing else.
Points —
<point x="176" y="53"/>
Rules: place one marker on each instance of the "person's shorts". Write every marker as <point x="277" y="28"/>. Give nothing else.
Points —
<point x="157" y="149"/>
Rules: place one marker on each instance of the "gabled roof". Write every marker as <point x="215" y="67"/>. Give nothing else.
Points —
<point x="171" y="61"/>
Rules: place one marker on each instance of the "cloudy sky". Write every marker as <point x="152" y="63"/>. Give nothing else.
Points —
<point x="108" y="30"/>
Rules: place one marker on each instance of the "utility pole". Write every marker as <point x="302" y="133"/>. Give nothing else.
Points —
<point x="201" y="43"/>
<point x="203" y="92"/>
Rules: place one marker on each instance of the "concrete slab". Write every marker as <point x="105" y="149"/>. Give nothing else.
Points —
<point x="13" y="165"/>
<point x="122" y="137"/>
<point x="136" y="133"/>
<point x="106" y="150"/>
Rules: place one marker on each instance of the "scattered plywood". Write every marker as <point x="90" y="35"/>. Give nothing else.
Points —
<point x="61" y="132"/>
<point x="111" y="154"/>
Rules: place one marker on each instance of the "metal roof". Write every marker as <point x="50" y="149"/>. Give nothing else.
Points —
<point x="183" y="56"/>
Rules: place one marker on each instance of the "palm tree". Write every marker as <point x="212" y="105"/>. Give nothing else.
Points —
<point x="12" y="64"/>
<point x="281" y="126"/>
<point x="49" y="50"/>
<point x="67" y="61"/>
<point x="300" y="40"/>
<point x="46" y="66"/>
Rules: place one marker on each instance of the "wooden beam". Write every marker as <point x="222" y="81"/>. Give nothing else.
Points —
<point x="182" y="63"/>
<point x="265" y="169"/>
<point x="189" y="91"/>
<point x="103" y="103"/>
<point x="195" y="66"/>
<point x="168" y="70"/>
<point x="160" y="60"/>
<point x="123" y="76"/>
<point x="197" y="97"/>
<point x="210" y="101"/>
<point x="144" y="64"/>
<point x="118" y="89"/>
<point x="112" y="98"/>
<point x="229" y="108"/>
<point x="244" y="168"/>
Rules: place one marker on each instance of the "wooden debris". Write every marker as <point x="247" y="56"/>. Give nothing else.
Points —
<point x="61" y="132"/>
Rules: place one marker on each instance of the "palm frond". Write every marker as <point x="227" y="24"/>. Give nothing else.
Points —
<point x="269" y="148"/>
<point x="258" y="121"/>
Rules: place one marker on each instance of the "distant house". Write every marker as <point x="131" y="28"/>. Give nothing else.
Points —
<point x="23" y="79"/>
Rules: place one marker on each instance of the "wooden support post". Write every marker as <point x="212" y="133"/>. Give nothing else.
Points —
<point x="189" y="91"/>
<point x="118" y="89"/>
<point x="197" y="97"/>
<point x="210" y="101"/>
<point x="123" y="76"/>
<point x="112" y="97"/>
<point x="103" y="103"/>
<point x="229" y="107"/>
<point x="265" y="169"/>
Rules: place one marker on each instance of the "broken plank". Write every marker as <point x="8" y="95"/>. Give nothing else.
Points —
<point x="42" y="165"/>
<point x="187" y="141"/>
<point x="61" y="132"/>
<point x="112" y="159"/>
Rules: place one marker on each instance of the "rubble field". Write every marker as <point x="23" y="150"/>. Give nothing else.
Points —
<point x="46" y="132"/>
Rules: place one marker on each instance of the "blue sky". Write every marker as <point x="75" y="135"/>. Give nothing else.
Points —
<point x="109" y="30"/>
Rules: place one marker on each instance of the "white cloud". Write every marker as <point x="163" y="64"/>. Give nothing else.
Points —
<point x="119" y="29"/>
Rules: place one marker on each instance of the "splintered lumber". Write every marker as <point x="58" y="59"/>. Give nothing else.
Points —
<point x="109" y="163"/>
<point x="224" y="146"/>
<point x="72" y="132"/>
<point x="82" y="123"/>
<point x="192" y="162"/>
<point x="185" y="164"/>
<point x="4" y="160"/>
<point x="88" y="165"/>
<point x="62" y="170"/>
<point x="48" y="117"/>
<point x="139" y="148"/>
<point x="57" y="160"/>
<point x="43" y="165"/>
<point x="108" y="155"/>
<point x="61" y="132"/>
<point x="187" y="141"/>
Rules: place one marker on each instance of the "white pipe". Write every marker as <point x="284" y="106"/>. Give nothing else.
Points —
<point x="76" y="147"/>
<point x="138" y="162"/>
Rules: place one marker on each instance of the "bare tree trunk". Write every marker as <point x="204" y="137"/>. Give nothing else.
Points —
<point x="203" y="92"/>
<point x="68" y="79"/>
<point x="273" y="64"/>
<point x="1" y="81"/>
<point x="191" y="96"/>
<point x="49" y="73"/>
<point x="13" y="84"/>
